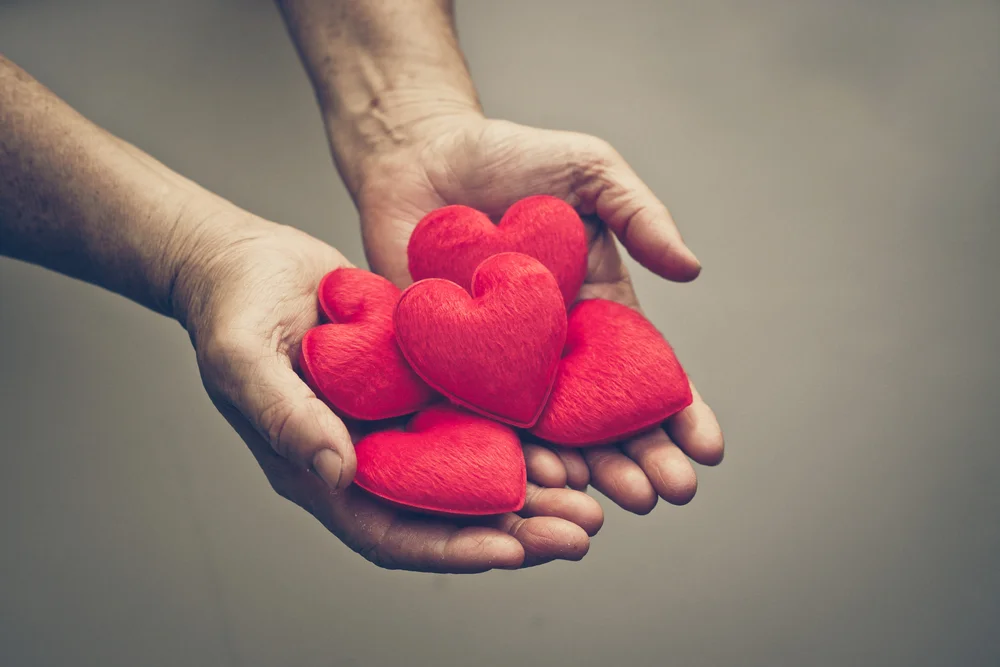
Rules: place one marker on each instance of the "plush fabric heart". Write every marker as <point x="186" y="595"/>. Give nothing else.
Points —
<point x="451" y="242"/>
<point x="618" y="377"/>
<point x="448" y="461"/>
<point x="354" y="362"/>
<point x="495" y="352"/>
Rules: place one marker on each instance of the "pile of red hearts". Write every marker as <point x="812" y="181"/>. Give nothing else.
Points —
<point x="486" y="327"/>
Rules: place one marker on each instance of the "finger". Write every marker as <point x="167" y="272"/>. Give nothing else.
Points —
<point x="607" y="276"/>
<point x="285" y="411"/>
<point x="568" y="504"/>
<point x="385" y="247"/>
<point x="544" y="467"/>
<point x="638" y="218"/>
<point x="388" y="537"/>
<point x="422" y="544"/>
<point x="545" y="538"/>
<point x="388" y="222"/>
<point x="620" y="479"/>
<point x="696" y="430"/>
<point x="577" y="472"/>
<point x="665" y="465"/>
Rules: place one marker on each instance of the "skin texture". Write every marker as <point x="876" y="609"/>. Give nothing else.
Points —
<point x="463" y="165"/>
<point x="283" y="267"/>
<point x="81" y="202"/>
<point x="408" y="135"/>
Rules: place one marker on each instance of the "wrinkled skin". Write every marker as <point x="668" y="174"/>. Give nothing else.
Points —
<point x="490" y="164"/>
<point x="247" y="298"/>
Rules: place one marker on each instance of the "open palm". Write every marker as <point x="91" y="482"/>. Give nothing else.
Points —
<point x="489" y="165"/>
<point x="249" y="300"/>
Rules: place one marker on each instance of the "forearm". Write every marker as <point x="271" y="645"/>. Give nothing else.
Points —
<point x="381" y="69"/>
<point x="79" y="201"/>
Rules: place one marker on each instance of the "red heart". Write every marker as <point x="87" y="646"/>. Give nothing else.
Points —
<point x="354" y="362"/>
<point x="447" y="461"/>
<point x="451" y="242"/>
<point x="618" y="377"/>
<point x="495" y="352"/>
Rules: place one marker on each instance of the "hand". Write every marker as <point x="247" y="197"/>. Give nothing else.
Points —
<point x="80" y="201"/>
<point x="247" y="295"/>
<point x="466" y="159"/>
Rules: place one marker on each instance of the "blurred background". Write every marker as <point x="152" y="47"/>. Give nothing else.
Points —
<point x="835" y="165"/>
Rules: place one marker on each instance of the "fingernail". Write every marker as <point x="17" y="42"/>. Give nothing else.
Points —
<point x="329" y="466"/>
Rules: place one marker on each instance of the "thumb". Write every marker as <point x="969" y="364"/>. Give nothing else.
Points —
<point x="285" y="411"/>
<point x="613" y="191"/>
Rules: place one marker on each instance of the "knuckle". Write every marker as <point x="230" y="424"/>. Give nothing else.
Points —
<point x="596" y="154"/>
<point x="601" y="458"/>
<point x="602" y="150"/>
<point x="274" y="418"/>
<point x="532" y="494"/>
<point x="591" y="170"/>
<point x="546" y="539"/>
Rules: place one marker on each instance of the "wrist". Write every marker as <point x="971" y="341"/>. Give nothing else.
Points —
<point x="200" y="248"/>
<point x="180" y="226"/>
<point x="384" y="73"/>
<point x="392" y="122"/>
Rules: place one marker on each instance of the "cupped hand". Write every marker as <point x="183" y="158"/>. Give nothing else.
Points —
<point x="246" y="292"/>
<point x="490" y="164"/>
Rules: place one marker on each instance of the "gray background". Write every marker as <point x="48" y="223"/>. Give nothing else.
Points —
<point x="834" y="164"/>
